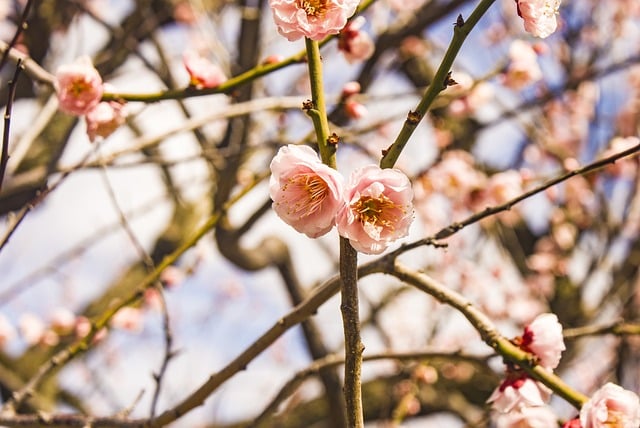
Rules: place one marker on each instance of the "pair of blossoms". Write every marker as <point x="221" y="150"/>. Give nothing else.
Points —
<point x="79" y="88"/>
<point x="521" y="401"/>
<point x="317" y="19"/>
<point x="372" y="210"/>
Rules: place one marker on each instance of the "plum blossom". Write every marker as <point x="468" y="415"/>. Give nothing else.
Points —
<point x="539" y="16"/>
<point x="63" y="321"/>
<point x="356" y="45"/>
<point x="315" y="19"/>
<point x="527" y="417"/>
<point x="523" y="68"/>
<point x="103" y="119"/>
<point x="78" y="86"/>
<point x="543" y="338"/>
<point x="129" y="319"/>
<point x="611" y="406"/>
<point x="517" y="391"/>
<point x="306" y="193"/>
<point x="355" y="110"/>
<point x="202" y="72"/>
<point x="378" y="209"/>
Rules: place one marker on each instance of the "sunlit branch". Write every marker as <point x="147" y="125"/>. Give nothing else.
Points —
<point x="487" y="331"/>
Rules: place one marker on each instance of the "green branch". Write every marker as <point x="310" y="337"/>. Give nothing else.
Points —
<point x="440" y="82"/>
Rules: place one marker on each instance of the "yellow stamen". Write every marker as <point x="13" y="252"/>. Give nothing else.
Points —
<point x="315" y="8"/>
<point x="380" y="211"/>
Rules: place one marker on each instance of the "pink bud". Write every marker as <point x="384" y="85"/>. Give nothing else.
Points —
<point x="202" y="72"/>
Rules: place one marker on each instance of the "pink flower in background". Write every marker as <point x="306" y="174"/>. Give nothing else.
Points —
<point x="539" y="16"/>
<point x="356" y="45"/>
<point x="611" y="406"/>
<point x="523" y="68"/>
<point x="79" y="86"/>
<point x="315" y="19"/>
<point x="63" y="321"/>
<point x="306" y="193"/>
<point x="518" y="390"/>
<point x="527" y="417"/>
<point x="129" y="319"/>
<point x="355" y="110"/>
<point x="104" y="119"/>
<point x="378" y="209"/>
<point x="573" y="423"/>
<point x="31" y="327"/>
<point x="202" y="72"/>
<point x="543" y="337"/>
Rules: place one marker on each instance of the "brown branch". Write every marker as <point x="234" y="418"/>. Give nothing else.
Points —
<point x="4" y="155"/>
<point x="22" y="26"/>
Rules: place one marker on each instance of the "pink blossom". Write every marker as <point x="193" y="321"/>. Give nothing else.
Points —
<point x="539" y="16"/>
<point x="378" y="209"/>
<point x="79" y="86"/>
<point x="103" y="119"/>
<point x="523" y="68"/>
<point x="315" y="19"/>
<point x="306" y="193"/>
<point x="527" y="417"/>
<point x="356" y="45"/>
<point x="543" y="338"/>
<point x="202" y="72"/>
<point x="611" y="406"/>
<point x="517" y="391"/>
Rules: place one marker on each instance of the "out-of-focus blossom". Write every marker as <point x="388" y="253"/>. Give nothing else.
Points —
<point x="623" y="168"/>
<point x="523" y="68"/>
<point x="79" y="86"/>
<point x="103" y="119"/>
<point x="350" y="88"/>
<point x="272" y="59"/>
<point x="83" y="327"/>
<point x="455" y="175"/>
<point x="543" y="338"/>
<point x="539" y="16"/>
<point x="315" y="19"/>
<point x="172" y="276"/>
<point x="7" y="331"/>
<point x="378" y="209"/>
<point x="354" y="109"/>
<point x="527" y="417"/>
<point x="479" y="95"/>
<point x="63" y="321"/>
<point x="202" y="72"/>
<point x="128" y="318"/>
<point x="518" y="390"/>
<point x="611" y="406"/>
<point x="306" y="193"/>
<point x="31" y="328"/>
<point x="4" y="9"/>
<point x="356" y="45"/>
<point x="503" y="187"/>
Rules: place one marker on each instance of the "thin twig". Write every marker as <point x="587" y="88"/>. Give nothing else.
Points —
<point x="22" y="25"/>
<point x="4" y="155"/>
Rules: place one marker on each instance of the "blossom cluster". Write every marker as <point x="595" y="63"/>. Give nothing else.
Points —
<point x="79" y="88"/>
<point x="519" y="395"/>
<point x="521" y="401"/>
<point x="372" y="210"/>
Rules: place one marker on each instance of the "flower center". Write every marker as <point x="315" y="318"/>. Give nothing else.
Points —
<point x="315" y="8"/>
<point x="305" y="193"/>
<point x="79" y="86"/>
<point x="380" y="211"/>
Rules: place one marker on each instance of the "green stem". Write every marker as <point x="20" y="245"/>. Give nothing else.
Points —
<point x="438" y="84"/>
<point x="318" y="112"/>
